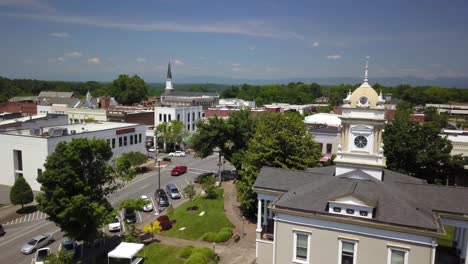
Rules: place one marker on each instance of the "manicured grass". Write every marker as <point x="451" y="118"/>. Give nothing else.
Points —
<point x="195" y="226"/>
<point x="162" y="254"/>
<point x="447" y="241"/>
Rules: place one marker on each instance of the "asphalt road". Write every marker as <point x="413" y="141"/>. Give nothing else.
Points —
<point x="20" y="233"/>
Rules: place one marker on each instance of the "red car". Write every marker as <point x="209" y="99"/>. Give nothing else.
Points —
<point x="178" y="170"/>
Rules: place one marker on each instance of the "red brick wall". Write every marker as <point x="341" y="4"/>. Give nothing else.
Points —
<point x="19" y="107"/>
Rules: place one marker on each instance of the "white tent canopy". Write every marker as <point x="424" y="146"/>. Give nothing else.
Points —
<point x="125" y="250"/>
<point x="323" y="119"/>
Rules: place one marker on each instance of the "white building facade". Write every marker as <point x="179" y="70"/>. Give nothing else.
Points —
<point x="188" y="115"/>
<point x="24" y="151"/>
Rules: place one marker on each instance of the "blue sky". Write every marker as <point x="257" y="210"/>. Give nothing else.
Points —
<point x="97" y="40"/>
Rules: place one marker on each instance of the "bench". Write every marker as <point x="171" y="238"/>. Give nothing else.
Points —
<point x="236" y="236"/>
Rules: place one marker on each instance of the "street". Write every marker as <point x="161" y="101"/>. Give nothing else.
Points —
<point x="17" y="234"/>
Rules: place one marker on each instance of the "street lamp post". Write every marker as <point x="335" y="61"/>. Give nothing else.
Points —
<point x="243" y="219"/>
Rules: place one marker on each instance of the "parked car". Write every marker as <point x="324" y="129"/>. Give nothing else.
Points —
<point x="130" y="215"/>
<point x="2" y="231"/>
<point x="173" y="191"/>
<point x="69" y="245"/>
<point x="115" y="225"/>
<point x="177" y="153"/>
<point x="161" y="197"/>
<point x="37" y="243"/>
<point x="41" y="254"/>
<point x="178" y="170"/>
<point x="149" y="206"/>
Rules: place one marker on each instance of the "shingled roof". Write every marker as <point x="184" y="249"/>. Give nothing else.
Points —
<point x="399" y="199"/>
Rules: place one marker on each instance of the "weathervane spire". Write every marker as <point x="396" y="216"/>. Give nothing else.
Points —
<point x="366" y="73"/>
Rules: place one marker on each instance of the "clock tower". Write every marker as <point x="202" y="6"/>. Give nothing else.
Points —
<point x="363" y="119"/>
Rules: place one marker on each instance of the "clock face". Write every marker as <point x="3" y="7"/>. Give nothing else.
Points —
<point x="363" y="100"/>
<point x="360" y="141"/>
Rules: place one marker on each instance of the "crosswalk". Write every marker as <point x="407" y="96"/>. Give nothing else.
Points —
<point x="28" y="217"/>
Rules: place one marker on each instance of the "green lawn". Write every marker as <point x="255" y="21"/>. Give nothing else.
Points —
<point x="447" y="241"/>
<point x="195" y="226"/>
<point x="161" y="254"/>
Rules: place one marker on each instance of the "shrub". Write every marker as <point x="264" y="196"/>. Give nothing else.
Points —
<point x="207" y="252"/>
<point x="223" y="235"/>
<point x="200" y="178"/>
<point x="197" y="258"/>
<point x="186" y="252"/>
<point x="209" y="236"/>
<point x="167" y="159"/>
<point x="165" y="222"/>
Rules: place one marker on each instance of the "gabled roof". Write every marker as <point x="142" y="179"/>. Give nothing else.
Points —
<point x="399" y="199"/>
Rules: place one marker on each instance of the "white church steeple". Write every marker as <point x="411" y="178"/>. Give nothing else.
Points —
<point x="169" y="79"/>
<point x="363" y="119"/>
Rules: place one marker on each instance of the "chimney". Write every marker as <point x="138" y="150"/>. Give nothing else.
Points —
<point x="104" y="102"/>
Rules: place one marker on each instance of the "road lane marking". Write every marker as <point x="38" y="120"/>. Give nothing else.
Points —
<point x="143" y="187"/>
<point x="40" y="225"/>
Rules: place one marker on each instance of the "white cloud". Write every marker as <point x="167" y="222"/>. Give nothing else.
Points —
<point x="252" y="47"/>
<point x="141" y="60"/>
<point x="235" y="64"/>
<point x="315" y="44"/>
<point x="334" y="57"/>
<point x="59" y="34"/>
<point x="94" y="60"/>
<point x="61" y="59"/>
<point x="178" y="62"/>
<point x="73" y="54"/>
<point x="248" y="28"/>
<point x="28" y="4"/>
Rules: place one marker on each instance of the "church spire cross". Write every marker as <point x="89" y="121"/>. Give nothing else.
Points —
<point x="366" y="73"/>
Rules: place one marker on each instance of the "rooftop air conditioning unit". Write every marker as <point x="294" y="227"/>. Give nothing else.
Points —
<point x="72" y="132"/>
<point x="34" y="131"/>
<point x="64" y="131"/>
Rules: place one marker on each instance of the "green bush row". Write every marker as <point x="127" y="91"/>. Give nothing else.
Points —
<point x="197" y="255"/>
<point x="223" y="235"/>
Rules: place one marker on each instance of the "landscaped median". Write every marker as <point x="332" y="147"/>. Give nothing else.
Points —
<point x="201" y="216"/>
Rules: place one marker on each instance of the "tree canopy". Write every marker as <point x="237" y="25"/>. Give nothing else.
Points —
<point x="280" y="140"/>
<point x="418" y="150"/>
<point x="129" y="90"/>
<point x="75" y="184"/>
<point x="21" y="192"/>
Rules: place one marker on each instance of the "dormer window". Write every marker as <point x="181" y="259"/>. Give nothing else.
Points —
<point x="350" y="211"/>
<point x="363" y="213"/>
<point x="336" y="209"/>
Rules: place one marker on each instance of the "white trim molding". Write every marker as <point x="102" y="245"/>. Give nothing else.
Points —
<point x="400" y="249"/>
<point x="340" y="248"/>
<point x="296" y="260"/>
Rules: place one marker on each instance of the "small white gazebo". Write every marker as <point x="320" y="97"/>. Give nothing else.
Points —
<point x="126" y="250"/>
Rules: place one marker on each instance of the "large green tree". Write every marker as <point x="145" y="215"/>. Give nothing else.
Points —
<point x="75" y="184"/>
<point x="21" y="192"/>
<point x="171" y="132"/>
<point x="129" y="90"/>
<point x="241" y="128"/>
<point x="280" y="140"/>
<point x="418" y="150"/>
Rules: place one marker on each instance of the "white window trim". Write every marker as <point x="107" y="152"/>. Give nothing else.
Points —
<point x="307" y="261"/>
<point x="340" y="249"/>
<point x="389" y="254"/>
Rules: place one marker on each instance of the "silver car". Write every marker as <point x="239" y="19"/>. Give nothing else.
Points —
<point x="173" y="191"/>
<point x="37" y="242"/>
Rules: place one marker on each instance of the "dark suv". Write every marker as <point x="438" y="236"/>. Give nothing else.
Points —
<point x="161" y="196"/>
<point x="130" y="215"/>
<point x="2" y="231"/>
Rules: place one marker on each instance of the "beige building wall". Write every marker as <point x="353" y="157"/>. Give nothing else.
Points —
<point x="265" y="252"/>
<point x="324" y="246"/>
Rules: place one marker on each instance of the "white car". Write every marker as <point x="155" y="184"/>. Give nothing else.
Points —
<point x="177" y="154"/>
<point x="149" y="206"/>
<point x="41" y="254"/>
<point x="115" y="225"/>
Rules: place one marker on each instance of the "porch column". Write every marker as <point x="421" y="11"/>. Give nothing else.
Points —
<point x="464" y="242"/>
<point x="270" y="214"/>
<point x="455" y="234"/>
<point x="259" y="216"/>
<point x="459" y="239"/>
<point x="265" y="213"/>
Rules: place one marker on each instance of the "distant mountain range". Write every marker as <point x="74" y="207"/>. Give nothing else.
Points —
<point x="461" y="82"/>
